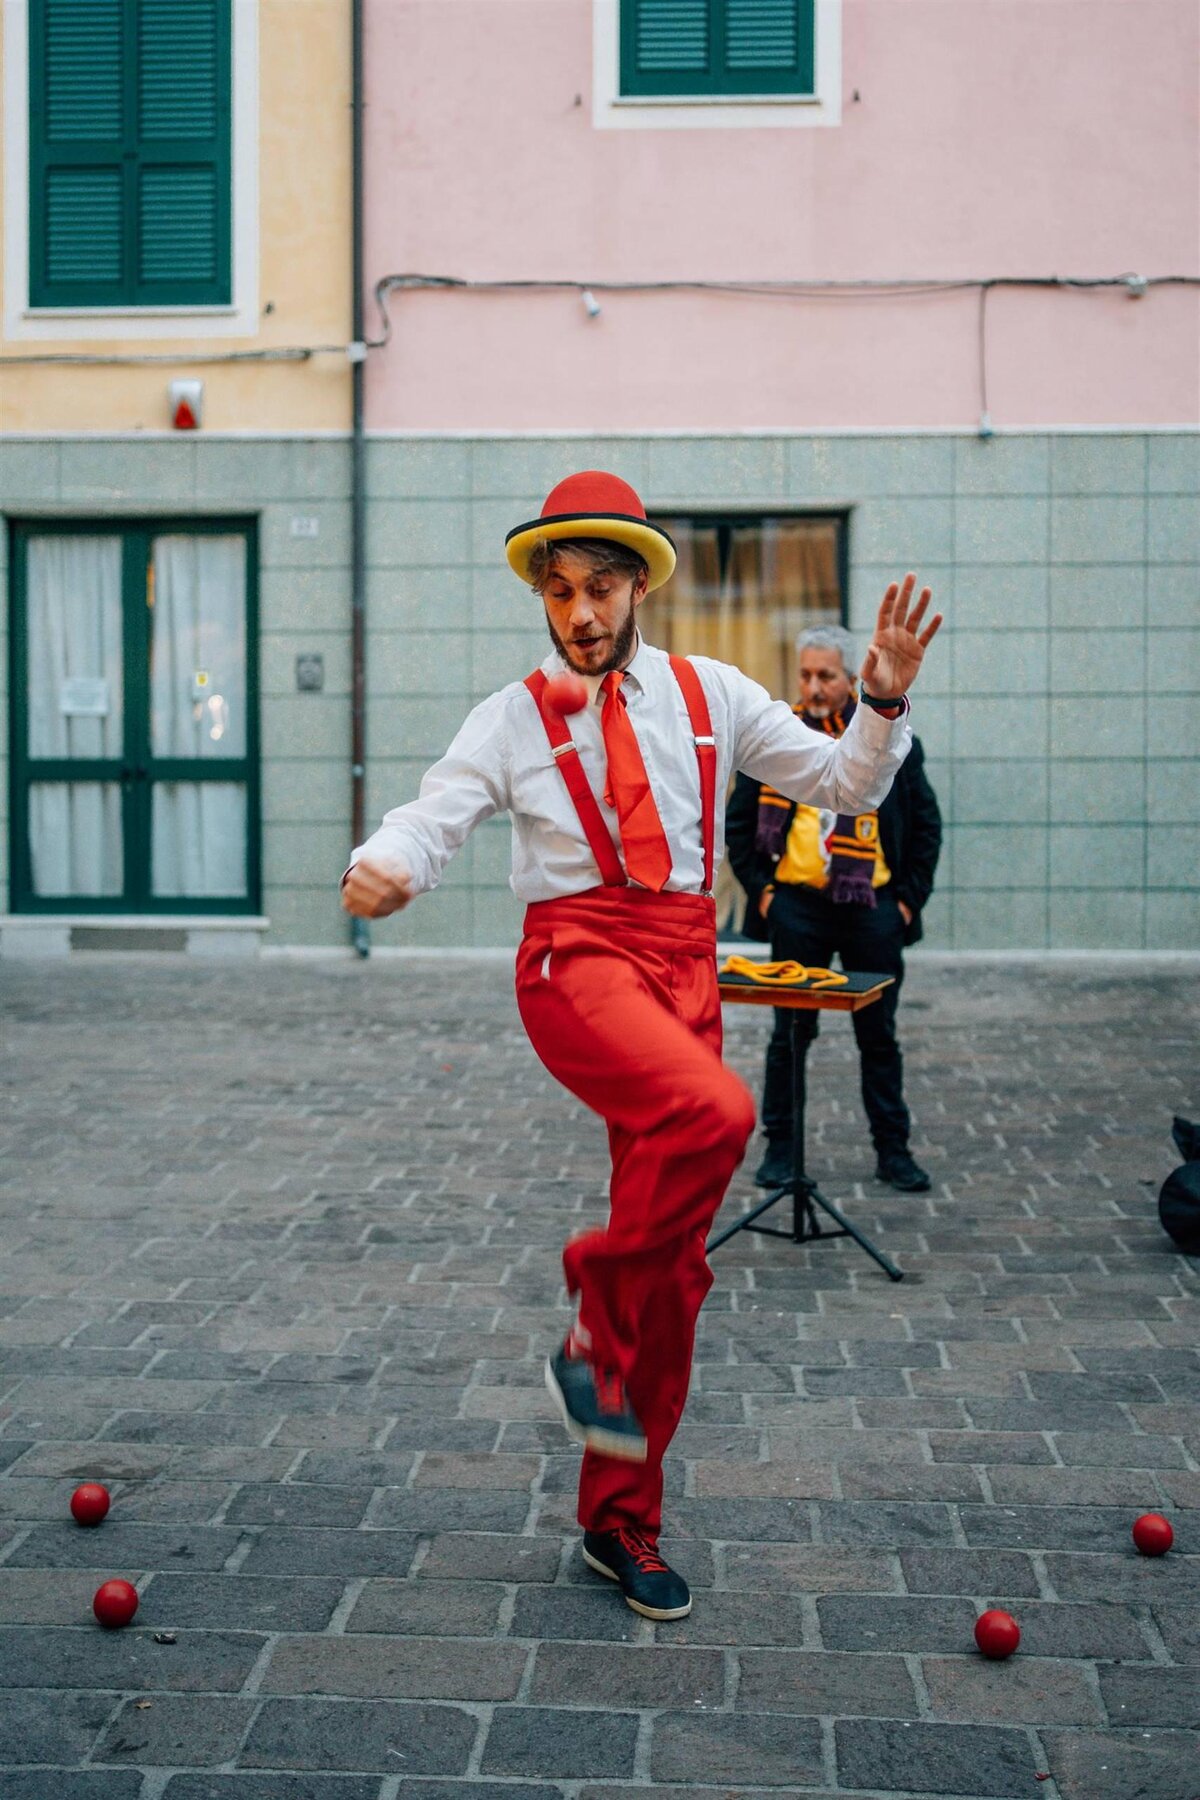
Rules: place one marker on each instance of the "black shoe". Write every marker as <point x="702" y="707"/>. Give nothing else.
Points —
<point x="631" y="1558"/>
<point x="777" y="1167"/>
<point x="594" y="1407"/>
<point x="898" y="1169"/>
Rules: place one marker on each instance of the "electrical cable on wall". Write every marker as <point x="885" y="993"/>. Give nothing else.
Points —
<point x="914" y="288"/>
<point x="1134" y="285"/>
<point x="114" y="359"/>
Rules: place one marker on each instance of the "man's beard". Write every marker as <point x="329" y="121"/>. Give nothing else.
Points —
<point x="823" y="708"/>
<point x="620" y="653"/>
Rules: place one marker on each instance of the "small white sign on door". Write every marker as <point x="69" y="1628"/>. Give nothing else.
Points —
<point x="83" y="697"/>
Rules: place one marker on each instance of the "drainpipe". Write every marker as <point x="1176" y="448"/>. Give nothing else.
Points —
<point x="360" y="933"/>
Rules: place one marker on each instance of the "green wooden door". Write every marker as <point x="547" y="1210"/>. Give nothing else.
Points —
<point x="135" y="718"/>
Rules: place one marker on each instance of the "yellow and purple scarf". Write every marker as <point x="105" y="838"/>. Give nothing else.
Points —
<point x="851" y="855"/>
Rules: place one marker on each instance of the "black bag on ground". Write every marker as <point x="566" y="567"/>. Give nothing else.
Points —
<point x="1179" y="1196"/>
<point x="1187" y="1138"/>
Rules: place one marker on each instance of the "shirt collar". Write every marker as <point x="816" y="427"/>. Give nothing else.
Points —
<point x="637" y="670"/>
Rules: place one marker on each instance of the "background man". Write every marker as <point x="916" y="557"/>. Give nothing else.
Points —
<point x="615" y="785"/>
<point x="818" y="882"/>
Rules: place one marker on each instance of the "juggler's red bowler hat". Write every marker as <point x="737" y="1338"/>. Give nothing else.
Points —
<point x="594" y="504"/>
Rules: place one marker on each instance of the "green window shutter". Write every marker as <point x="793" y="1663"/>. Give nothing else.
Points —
<point x="130" y="155"/>
<point x="83" y="228"/>
<point x="77" y="108"/>
<point x="671" y="36"/>
<point x="717" y="47"/>
<point x="178" y="65"/>
<point x="182" y="209"/>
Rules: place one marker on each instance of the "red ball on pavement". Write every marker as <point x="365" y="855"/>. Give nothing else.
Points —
<point x="89" y="1503"/>
<point x="1153" y="1534"/>
<point x="114" y="1603"/>
<point x="567" y="693"/>
<point x="997" y="1633"/>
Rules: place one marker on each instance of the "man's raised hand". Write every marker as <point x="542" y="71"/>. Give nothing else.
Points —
<point x="890" y="665"/>
<point x="372" y="892"/>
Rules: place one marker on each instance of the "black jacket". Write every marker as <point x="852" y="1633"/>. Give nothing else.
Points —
<point x="910" y="833"/>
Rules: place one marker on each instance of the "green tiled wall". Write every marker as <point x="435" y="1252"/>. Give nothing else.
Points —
<point x="1064" y="688"/>
<point x="1060" y="710"/>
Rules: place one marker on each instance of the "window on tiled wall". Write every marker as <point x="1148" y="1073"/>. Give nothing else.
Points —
<point x="746" y="585"/>
<point x="129" y="152"/>
<point x="717" y="47"/>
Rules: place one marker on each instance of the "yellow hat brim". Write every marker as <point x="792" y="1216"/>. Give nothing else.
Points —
<point x="648" y="540"/>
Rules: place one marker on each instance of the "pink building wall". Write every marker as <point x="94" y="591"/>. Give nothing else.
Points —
<point x="989" y="138"/>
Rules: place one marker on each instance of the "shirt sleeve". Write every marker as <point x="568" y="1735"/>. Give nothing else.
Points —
<point x="466" y="786"/>
<point x="850" y="774"/>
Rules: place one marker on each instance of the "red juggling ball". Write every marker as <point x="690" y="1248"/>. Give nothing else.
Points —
<point x="1153" y="1534"/>
<point x="997" y="1633"/>
<point x="566" y="693"/>
<point x="89" y="1503"/>
<point x="114" y="1603"/>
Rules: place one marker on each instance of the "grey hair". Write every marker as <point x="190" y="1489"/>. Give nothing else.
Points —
<point x="831" y="637"/>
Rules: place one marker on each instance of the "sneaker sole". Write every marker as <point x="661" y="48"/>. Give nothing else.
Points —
<point x="604" y="1443"/>
<point x="637" y="1606"/>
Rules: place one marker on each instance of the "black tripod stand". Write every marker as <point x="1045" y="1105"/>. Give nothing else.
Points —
<point x="859" y="990"/>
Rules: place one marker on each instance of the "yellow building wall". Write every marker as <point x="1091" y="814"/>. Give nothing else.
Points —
<point x="304" y="296"/>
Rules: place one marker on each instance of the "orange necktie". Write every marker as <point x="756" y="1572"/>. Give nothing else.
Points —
<point x="627" y="788"/>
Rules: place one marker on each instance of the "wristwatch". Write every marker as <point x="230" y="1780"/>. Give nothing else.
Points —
<point x="877" y="705"/>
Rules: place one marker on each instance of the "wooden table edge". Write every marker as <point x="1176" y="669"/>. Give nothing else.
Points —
<point x="802" y="999"/>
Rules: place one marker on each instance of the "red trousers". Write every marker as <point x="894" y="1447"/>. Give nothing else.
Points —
<point x="617" y="989"/>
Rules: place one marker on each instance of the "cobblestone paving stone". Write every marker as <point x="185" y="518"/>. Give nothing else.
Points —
<point x="279" y="1261"/>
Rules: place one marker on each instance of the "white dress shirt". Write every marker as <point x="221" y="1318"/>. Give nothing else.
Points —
<point x="501" y="761"/>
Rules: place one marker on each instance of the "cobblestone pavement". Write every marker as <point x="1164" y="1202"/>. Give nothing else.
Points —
<point x="280" y="1259"/>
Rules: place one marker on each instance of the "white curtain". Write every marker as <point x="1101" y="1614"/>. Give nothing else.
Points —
<point x="198" y="710"/>
<point x="74" y="635"/>
<point x="199" y="838"/>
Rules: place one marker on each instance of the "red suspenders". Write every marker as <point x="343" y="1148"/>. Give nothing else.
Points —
<point x="706" y="756"/>
<point x="586" y="805"/>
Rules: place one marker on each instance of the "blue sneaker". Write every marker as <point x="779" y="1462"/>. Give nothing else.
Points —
<point x="631" y="1558"/>
<point x="594" y="1407"/>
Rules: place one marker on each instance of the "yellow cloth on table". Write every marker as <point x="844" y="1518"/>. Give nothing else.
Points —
<point x="781" y="974"/>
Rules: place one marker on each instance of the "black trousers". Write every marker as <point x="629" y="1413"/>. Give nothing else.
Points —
<point x="807" y="927"/>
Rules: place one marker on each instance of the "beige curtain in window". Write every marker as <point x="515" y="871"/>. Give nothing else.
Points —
<point x="781" y="576"/>
<point x="680" y="615"/>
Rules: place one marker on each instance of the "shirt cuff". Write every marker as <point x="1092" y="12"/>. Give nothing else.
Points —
<point x="877" y="726"/>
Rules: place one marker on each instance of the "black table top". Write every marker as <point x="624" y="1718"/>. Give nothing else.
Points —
<point x="859" y="989"/>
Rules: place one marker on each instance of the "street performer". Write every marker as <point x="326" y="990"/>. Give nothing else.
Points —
<point x="616" y="792"/>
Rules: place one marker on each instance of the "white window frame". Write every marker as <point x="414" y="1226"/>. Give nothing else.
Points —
<point x="614" y="111"/>
<point x="66" y="324"/>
